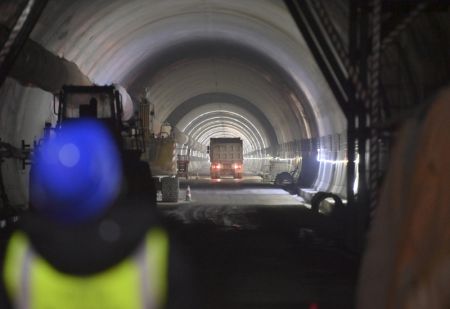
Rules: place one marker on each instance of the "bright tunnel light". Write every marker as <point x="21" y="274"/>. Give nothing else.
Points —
<point x="203" y="126"/>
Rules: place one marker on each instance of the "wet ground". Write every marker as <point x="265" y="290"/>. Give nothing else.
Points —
<point x="257" y="246"/>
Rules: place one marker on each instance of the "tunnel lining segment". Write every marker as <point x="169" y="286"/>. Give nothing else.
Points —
<point x="209" y="98"/>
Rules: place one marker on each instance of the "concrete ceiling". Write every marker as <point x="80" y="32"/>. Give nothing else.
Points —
<point x="211" y="67"/>
<point x="179" y="50"/>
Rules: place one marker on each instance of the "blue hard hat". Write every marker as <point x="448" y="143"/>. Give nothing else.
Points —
<point x="76" y="174"/>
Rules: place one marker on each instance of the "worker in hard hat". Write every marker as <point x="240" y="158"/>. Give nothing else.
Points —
<point x="88" y="244"/>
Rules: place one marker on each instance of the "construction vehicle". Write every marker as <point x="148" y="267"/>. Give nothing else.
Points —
<point x="136" y="135"/>
<point x="287" y="178"/>
<point x="273" y="168"/>
<point x="103" y="103"/>
<point x="226" y="157"/>
<point x="160" y="153"/>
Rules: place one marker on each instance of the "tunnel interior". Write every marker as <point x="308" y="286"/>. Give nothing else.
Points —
<point x="210" y="69"/>
<point x="230" y="69"/>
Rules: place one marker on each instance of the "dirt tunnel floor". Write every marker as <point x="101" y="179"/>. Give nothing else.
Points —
<point x="270" y="256"/>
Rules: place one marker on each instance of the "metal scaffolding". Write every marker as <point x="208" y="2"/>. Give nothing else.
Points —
<point x="353" y="74"/>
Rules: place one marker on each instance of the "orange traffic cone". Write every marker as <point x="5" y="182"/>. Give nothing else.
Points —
<point x="188" y="194"/>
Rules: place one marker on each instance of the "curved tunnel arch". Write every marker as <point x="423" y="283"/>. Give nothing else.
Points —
<point x="242" y="56"/>
<point x="202" y="122"/>
<point x="252" y="62"/>
<point x="183" y="80"/>
<point x="208" y="98"/>
<point x="171" y="47"/>
<point x="265" y="30"/>
<point x="202" y="134"/>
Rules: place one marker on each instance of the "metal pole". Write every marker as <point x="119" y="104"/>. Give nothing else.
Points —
<point x="374" y="163"/>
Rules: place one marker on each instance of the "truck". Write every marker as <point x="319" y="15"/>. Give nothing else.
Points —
<point x="226" y="157"/>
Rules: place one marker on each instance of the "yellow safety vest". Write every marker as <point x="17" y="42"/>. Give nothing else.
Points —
<point x="137" y="282"/>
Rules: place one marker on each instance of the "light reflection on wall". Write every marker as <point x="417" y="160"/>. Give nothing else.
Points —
<point x="223" y="123"/>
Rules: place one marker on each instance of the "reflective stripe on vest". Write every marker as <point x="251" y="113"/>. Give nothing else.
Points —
<point x="137" y="282"/>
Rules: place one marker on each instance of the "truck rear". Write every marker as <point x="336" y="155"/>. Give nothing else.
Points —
<point x="226" y="157"/>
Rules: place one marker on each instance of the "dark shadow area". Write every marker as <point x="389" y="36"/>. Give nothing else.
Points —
<point x="266" y="257"/>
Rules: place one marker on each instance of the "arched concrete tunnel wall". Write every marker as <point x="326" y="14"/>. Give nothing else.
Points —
<point x="248" y="54"/>
<point x="227" y="120"/>
<point x="180" y="50"/>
